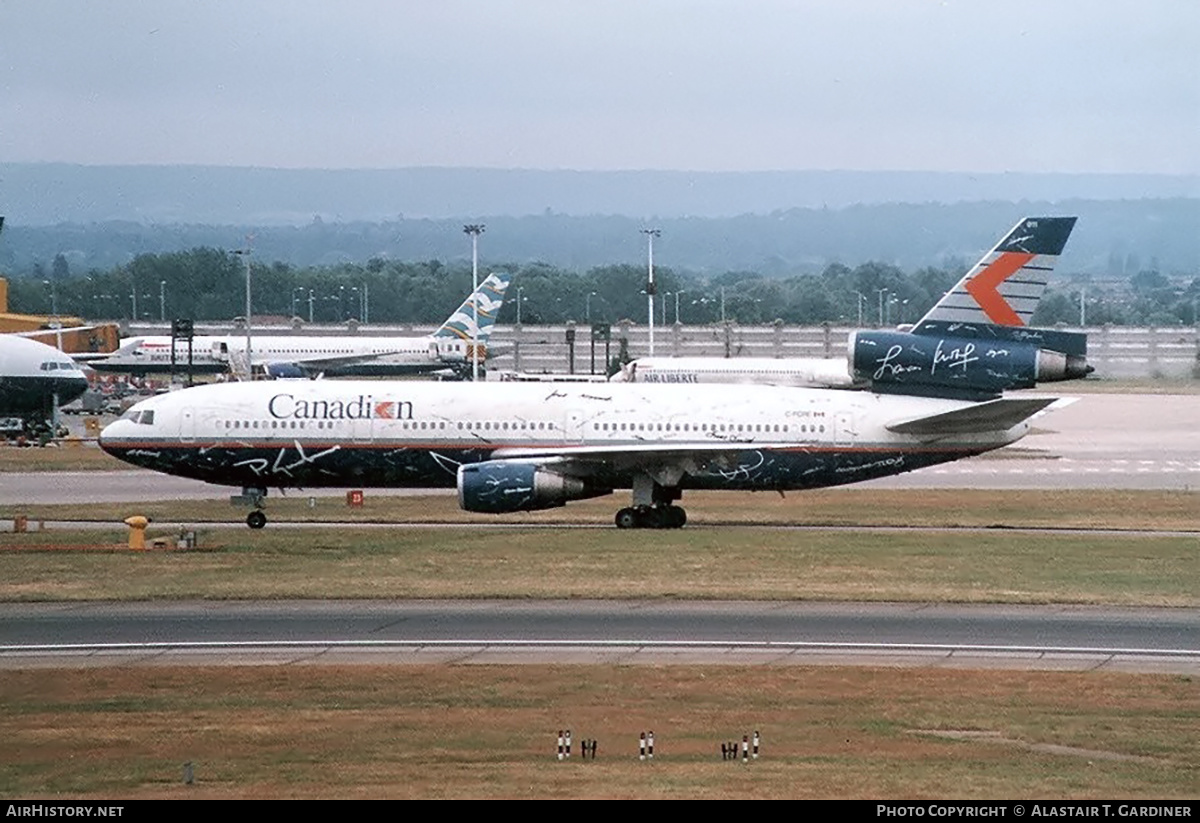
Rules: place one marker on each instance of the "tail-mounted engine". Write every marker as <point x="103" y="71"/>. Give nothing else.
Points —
<point x="500" y="486"/>
<point x="966" y="361"/>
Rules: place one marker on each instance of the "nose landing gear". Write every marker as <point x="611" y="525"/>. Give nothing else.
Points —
<point x="253" y="496"/>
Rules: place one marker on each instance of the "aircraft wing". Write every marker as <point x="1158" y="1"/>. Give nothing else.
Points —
<point x="333" y="361"/>
<point x="994" y="415"/>
<point x="666" y="463"/>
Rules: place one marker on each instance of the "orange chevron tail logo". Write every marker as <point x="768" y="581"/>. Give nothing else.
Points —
<point x="984" y="287"/>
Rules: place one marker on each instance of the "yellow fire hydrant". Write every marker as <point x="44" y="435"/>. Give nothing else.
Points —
<point x="137" y="531"/>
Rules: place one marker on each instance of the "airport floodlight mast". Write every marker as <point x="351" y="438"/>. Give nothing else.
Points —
<point x="474" y="229"/>
<point x="245" y="254"/>
<point x="650" y="235"/>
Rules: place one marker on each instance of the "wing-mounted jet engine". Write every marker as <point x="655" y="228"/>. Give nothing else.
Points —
<point x="503" y="486"/>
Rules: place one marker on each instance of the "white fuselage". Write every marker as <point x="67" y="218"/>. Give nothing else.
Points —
<point x="800" y="372"/>
<point x="35" y="377"/>
<point x="336" y="354"/>
<point x="371" y="433"/>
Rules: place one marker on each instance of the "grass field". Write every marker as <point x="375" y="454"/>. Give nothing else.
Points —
<point x="737" y="547"/>
<point x="480" y="731"/>
<point x="466" y="731"/>
<point x="712" y="563"/>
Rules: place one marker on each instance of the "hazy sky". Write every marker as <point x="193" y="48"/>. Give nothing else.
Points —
<point x="954" y="85"/>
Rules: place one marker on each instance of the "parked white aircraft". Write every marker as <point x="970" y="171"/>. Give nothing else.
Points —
<point x="348" y="355"/>
<point x="974" y="342"/>
<point x="35" y="379"/>
<point x="524" y="446"/>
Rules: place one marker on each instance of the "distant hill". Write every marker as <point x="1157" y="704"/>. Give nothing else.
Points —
<point x="38" y="194"/>
<point x="773" y="223"/>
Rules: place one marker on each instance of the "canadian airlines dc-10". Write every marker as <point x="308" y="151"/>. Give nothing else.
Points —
<point x="987" y="312"/>
<point x="932" y="397"/>
<point x="449" y="347"/>
<point x="511" y="447"/>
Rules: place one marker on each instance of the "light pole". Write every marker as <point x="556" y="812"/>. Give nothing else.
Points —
<point x="650" y="235"/>
<point x="587" y="306"/>
<point x="520" y="299"/>
<point x="862" y="298"/>
<point x="311" y="298"/>
<point x="49" y="284"/>
<point x="55" y="323"/>
<point x="162" y="301"/>
<point x="294" y="290"/>
<point x="245" y="254"/>
<point x="887" y="314"/>
<point x="882" y="292"/>
<point x="677" y="307"/>
<point x="475" y="229"/>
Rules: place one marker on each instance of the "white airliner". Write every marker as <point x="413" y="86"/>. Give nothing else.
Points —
<point x="523" y="446"/>
<point x="985" y="316"/>
<point x="35" y="379"/>
<point x="297" y="356"/>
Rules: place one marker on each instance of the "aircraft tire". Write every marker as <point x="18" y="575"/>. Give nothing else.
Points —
<point x="256" y="519"/>
<point x="627" y="518"/>
<point x="678" y="517"/>
<point x="651" y="517"/>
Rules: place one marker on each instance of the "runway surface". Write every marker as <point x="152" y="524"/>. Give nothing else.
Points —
<point x="626" y="632"/>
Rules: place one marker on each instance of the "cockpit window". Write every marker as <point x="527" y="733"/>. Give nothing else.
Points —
<point x="147" y="418"/>
<point x="144" y="417"/>
<point x="57" y="365"/>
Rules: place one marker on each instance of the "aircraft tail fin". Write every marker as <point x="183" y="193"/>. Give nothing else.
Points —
<point x="489" y="297"/>
<point x="1004" y="287"/>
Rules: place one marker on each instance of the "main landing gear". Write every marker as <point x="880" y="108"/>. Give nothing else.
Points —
<point x="652" y="507"/>
<point x="253" y="496"/>
<point x="651" y="517"/>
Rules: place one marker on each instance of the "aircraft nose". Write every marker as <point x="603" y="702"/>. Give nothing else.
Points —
<point x="110" y="433"/>
<point x="69" y="388"/>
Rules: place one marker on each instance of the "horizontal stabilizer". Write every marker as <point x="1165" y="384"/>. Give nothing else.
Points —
<point x="993" y="416"/>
